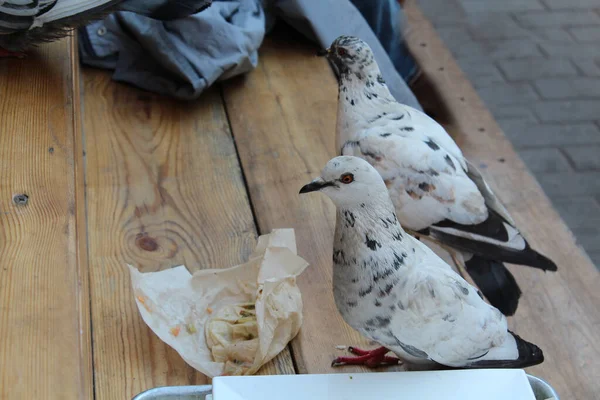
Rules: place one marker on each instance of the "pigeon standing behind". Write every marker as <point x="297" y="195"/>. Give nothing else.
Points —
<point x="396" y="291"/>
<point x="27" y="23"/>
<point x="436" y="191"/>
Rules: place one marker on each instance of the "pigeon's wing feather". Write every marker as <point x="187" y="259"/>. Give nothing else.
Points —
<point x="496" y="238"/>
<point x="517" y="249"/>
<point x="443" y="316"/>
<point x="424" y="124"/>
<point x="490" y="197"/>
<point x="438" y="198"/>
<point x="425" y="182"/>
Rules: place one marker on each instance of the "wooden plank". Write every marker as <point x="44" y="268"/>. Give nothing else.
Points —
<point x="86" y="372"/>
<point x="44" y="306"/>
<point x="283" y="144"/>
<point x="558" y="311"/>
<point x="164" y="188"/>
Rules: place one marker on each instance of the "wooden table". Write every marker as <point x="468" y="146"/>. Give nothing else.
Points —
<point x="116" y="175"/>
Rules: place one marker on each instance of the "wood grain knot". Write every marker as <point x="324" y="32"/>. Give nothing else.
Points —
<point x="146" y="243"/>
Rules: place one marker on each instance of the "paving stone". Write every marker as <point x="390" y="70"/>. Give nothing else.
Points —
<point x="486" y="82"/>
<point x="584" y="157"/>
<point x="570" y="183"/>
<point x="579" y="212"/>
<point x="586" y="33"/>
<point x="590" y="242"/>
<point x="567" y="111"/>
<point x="494" y="25"/>
<point x="477" y="67"/>
<point x="512" y="48"/>
<point x="595" y="257"/>
<point x="538" y="67"/>
<point x="563" y="88"/>
<point x="550" y="35"/>
<point x="476" y="6"/>
<point x="471" y="50"/>
<point x="579" y="50"/>
<point x="454" y="37"/>
<point x="567" y="4"/>
<point x="508" y="48"/>
<point x="513" y="113"/>
<point x="443" y="12"/>
<point x="545" y="160"/>
<point x="588" y="235"/>
<point x="485" y="51"/>
<point x="515" y="129"/>
<point x="481" y="74"/>
<point x="588" y="231"/>
<point x="540" y="19"/>
<point x="588" y="66"/>
<point x="510" y="93"/>
<point x="526" y="134"/>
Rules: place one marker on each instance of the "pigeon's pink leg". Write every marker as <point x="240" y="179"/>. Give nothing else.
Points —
<point x="373" y="358"/>
<point x="11" y="54"/>
<point x="357" y="351"/>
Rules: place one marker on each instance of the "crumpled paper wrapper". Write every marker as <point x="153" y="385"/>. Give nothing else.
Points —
<point x="177" y="305"/>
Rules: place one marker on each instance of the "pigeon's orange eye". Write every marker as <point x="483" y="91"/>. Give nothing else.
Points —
<point x="341" y="51"/>
<point x="347" y="178"/>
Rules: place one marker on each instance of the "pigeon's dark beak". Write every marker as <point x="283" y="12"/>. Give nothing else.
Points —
<point x="315" y="186"/>
<point x="324" y="52"/>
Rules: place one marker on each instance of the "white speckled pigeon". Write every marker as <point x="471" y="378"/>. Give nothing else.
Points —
<point x="396" y="291"/>
<point x="26" y="23"/>
<point x="437" y="192"/>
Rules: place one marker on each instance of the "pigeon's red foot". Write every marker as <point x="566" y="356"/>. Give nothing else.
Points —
<point x="372" y="358"/>
<point x="11" y="54"/>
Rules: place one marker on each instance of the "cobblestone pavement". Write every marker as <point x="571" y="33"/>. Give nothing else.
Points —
<point x="536" y="64"/>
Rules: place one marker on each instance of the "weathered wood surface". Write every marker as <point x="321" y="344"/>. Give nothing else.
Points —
<point x="45" y="350"/>
<point x="558" y="311"/>
<point x="164" y="188"/>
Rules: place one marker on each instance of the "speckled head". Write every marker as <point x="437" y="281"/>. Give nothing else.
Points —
<point x="352" y="56"/>
<point x="349" y="182"/>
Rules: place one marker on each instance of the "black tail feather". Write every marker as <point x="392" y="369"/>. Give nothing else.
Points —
<point x="527" y="256"/>
<point x="540" y="261"/>
<point x="496" y="283"/>
<point x="529" y="355"/>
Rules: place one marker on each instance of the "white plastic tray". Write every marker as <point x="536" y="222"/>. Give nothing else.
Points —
<point x="396" y="385"/>
<point x="489" y="384"/>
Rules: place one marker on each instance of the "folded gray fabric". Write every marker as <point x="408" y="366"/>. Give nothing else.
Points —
<point x="179" y="58"/>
